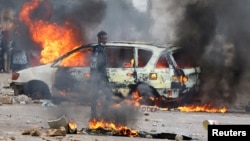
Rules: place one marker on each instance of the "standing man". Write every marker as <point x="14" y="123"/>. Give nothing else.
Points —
<point x="18" y="57"/>
<point x="101" y="92"/>
<point x="1" y="52"/>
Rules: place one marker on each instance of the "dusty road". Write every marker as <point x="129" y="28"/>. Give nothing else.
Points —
<point x="17" y="117"/>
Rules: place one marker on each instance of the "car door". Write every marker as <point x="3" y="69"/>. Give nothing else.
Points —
<point x="73" y="73"/>
<point x="120" y="67"/>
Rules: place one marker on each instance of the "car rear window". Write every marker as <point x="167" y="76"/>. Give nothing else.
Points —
<point x="184" y="60"/>
<point x="162" y="62"/>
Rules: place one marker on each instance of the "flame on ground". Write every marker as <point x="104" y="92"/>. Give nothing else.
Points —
<point x="117" y="129"/>
<point x="53" y="38"/>
<point x="136" y="101"/>
<point x="203" y="108"/>
<point x="72" y="125"/>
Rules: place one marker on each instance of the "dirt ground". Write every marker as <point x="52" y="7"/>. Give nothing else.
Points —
<point x="20" y="116"/>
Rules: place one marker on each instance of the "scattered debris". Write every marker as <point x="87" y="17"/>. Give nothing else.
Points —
<point x="62" y="126"/>
<point x="209" y="122"/>
<point x="61" y="131"/>
<point x="35" y="131"/>
<point x="48" y="104"/>
<point x="6" y="99"/>
<point x="142" y="134"/>
<point x="155" y="120"/>
<point x="178" y="137"/>
<point x="57" y="123"/>
<point x="23" y="99"/>
<point x="72" y="127"/>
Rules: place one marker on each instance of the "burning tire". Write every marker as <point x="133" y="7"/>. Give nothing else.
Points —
<point x="37" y="90"/>
<point x="145" y="94"/>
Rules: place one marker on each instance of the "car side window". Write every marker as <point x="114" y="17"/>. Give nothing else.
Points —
<point x="143" y="57"/>
<point x="162" y="62"/>
<point x="77" y="59"/>
<point x="184" y="60"/>
<point x="119" y="57"/>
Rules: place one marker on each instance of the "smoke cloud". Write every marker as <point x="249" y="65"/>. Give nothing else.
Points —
<point x="216" y="34"/>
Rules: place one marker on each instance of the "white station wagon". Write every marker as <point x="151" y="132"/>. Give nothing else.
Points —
<point x="164" y="72"/>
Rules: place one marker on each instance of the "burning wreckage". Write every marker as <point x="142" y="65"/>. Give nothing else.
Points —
<point x="139" y="74"/>
<point x="63" y="126"/>
<point x="148" y="73"/>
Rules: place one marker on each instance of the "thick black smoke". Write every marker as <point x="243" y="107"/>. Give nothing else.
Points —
<point x="196" y="29"/>
<point x="216" y="34"/>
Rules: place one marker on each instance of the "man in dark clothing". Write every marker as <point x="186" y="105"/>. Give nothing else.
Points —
<point x="101" y="92"/>
<point x="1" y="52"/>
<point x="98" y="60"/>
<point x="4" y="37"/>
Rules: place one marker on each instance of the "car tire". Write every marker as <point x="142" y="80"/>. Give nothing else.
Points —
<point x="148" y="94"/>
<point x="37" y="90"/>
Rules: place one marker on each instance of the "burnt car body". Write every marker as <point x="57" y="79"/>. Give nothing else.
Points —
<point x="163" y="71"/>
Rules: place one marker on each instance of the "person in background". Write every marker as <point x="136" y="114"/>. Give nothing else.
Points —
<point x="1" y="52"/>
<point x="99" y="78"/>
<point x="4" y="37"/>
<point x="19" y="58"/>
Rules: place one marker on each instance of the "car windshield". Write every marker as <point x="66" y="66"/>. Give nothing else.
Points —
<point x="78" y="58"/>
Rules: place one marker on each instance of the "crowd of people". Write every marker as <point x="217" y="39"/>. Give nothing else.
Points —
<point x="12" y="57"/>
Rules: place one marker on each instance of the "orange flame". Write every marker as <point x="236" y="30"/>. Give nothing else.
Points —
<point x="129" y="64"/>
<point x="204" y="108"/>
<point x="72" y="124"/>
<point x="135" y="99"/>
<point x="118" y="129"/>
<point x="54" y="39"/>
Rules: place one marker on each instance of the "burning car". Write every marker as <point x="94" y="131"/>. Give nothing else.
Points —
<point x="150" y="73"/>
